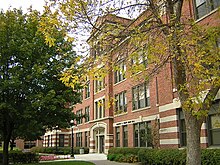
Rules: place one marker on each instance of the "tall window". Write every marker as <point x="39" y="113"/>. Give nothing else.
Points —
<point x="79" y="139"/>
<point x="87" y="90"/>
<point x="182" y="128"/>
<point x="141" y="96"/>
<point x="86" y="139"/>
<point x="214" y="124"/>
<point x="100" y="109"/>
<point x="120" y="72"/>
<point x="61" y="140"/>
<point x="99" y="85"/>
<point x="125" y="136"/>
<point x="79" y="116"/>
<point x="87" y="113"/>
<point x="142" y="134"/>
<point x="117" y="139"/>
<point x="48" y="141"/>
<point x="120" y="102"/>
<point x="204" y="7"/>
<point x="139" y="61"/>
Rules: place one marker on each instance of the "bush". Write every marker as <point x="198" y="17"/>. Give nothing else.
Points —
<point x="60" y="150"/>
<point x="19" y="157"/>
<point x="160" y="156"/>
<point x="126" y="154"/>
<point x="210" y="156"/>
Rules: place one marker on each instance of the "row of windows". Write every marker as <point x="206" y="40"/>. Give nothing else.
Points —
<point x="79" y="114"/>
<point x="142" y="135"/>
<point x="141" y="99"/>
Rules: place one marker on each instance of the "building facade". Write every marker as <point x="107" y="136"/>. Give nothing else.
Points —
<point x="140" y="108"/>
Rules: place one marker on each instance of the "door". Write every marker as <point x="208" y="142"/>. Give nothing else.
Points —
<point x="102" y="144"/>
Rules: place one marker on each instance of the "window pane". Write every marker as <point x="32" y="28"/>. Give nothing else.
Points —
<point x="141" y="96"/>
<point x="215" y="121"/>
<point x="201" y="10"/>
<point x="215" y="137"/>
<point x="135" y="98"/>
<point x="199" y="2"/>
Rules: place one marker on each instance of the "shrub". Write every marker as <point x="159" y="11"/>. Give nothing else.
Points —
<point x="60" y="150"/>
<point x="19" y="157"/>
<point x="176" y="157"/>
<point x="126" y="154"/>
<point x="210" y="156"/>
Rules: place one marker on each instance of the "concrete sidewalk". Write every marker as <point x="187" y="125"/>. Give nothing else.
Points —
<point x="99" y="159"/>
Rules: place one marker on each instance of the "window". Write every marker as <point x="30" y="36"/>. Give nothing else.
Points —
<point x="87" y="90"/>
<point x="48" y="141"/>
<point x="142" y="134"/>
<point x="29" y="144"/>
<point x="204" y="7"/>
<point x="79" y="139"/>
<point x="117" y="139"/>
<point x="125" y="136"/>
<point x="99" y="85"/>
<point x="214" y="124"/>
<point x="141" y="96"/>
<point x="87" y="113"/>
<point x="61" y="140"/>
<point x="120" y="102"/>
<point x="100" y="109"/>
<point x="120" y="72"/>
<point x="86" y="139"/>
<point x="182" y="128"/>
<point x="97" y="50"/>
<point x="79" y="116"/>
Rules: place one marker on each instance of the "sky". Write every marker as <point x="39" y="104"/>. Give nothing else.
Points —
<point x="24" y="4"/>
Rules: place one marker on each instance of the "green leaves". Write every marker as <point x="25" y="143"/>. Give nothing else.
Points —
<point x="30" y="90"/>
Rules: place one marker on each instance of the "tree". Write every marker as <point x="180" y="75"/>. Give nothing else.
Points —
<point x="166" y="35"/>
<point x="32" y="98"/>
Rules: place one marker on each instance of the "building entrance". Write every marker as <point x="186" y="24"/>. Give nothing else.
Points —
<point x="99" y="140"/>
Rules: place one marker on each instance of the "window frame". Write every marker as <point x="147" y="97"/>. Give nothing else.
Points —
<point x="206" y="7"/>
<point x="119" y="73"/>
<point x="138" y="138"/>
<point x="125" y="135"/>
<point x="136" y="102"/>
<point x="79" y="115"/>
<point x="213" y="112"/>
<point x="87" y="90"/>
<point x="99" y="110"/>
<point x="87" y="113"/>
<point x="117" y="136"/>
<point x="121" y="106"/>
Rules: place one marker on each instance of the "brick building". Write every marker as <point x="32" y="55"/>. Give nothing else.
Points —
<point x="139" y="106"/>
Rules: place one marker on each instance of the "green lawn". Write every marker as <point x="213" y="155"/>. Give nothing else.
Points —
<point x="64" y="163"/>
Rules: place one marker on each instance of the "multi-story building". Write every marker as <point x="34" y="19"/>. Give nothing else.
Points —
<point x="140" y="107"/>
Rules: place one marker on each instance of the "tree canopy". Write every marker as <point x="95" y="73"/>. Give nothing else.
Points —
<point x="32" y="98"/>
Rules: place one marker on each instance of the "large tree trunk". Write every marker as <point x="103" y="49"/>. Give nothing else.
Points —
<point x="5" y="152"/>
<point x="7" y="132"/>
<point x="193" y="129"/>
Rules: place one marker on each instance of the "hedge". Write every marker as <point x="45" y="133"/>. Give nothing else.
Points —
<point x="60" y="150"/>
<point x="160" y="156"/>
<point x="23" y="158"/>
<point x="126" y="154"/>
<point x="16" y="157"/>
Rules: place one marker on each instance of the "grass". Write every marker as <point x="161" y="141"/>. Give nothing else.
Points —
<point x="64" y="163"/>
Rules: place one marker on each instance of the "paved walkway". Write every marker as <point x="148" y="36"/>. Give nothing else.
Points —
<point x="99" y="159"/>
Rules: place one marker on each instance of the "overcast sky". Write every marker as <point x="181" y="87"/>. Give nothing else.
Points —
<point x="24" y="4"/>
